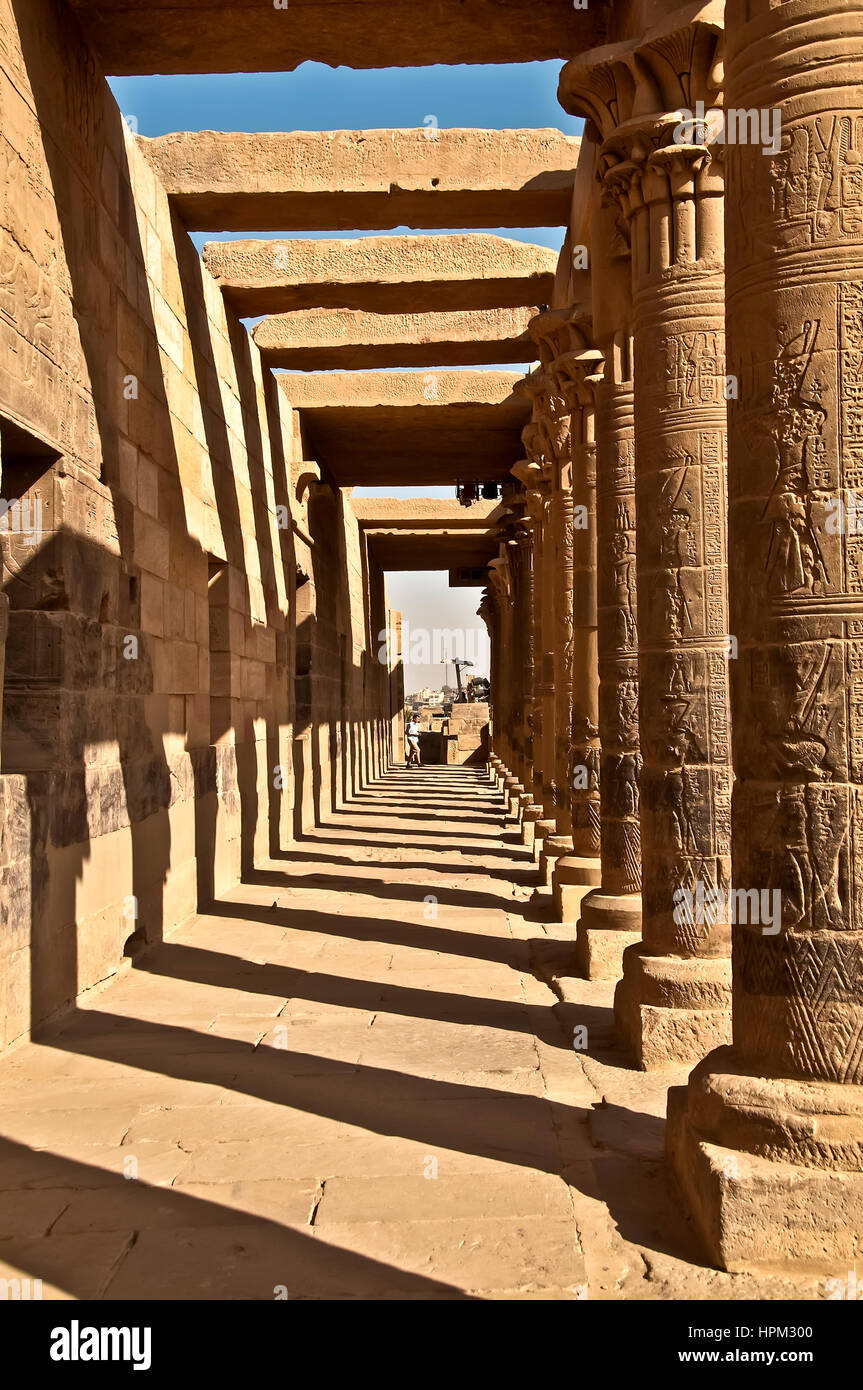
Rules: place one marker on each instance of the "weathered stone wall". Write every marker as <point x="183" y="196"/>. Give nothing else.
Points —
<point x="156" y="641"/>
<point x="459" y="737"/>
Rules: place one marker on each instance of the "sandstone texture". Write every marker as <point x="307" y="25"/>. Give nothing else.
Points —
<point x="344" y="180"/>
<point x="350" y="339"/>
<point x="176" y="36"/>
<point x="574" y="1008"/>
<point x="394" y="274"/>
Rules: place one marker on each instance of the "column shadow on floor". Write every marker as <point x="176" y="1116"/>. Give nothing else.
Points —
<point x="515" y="1129"/>
<point x="251" y="1257"/>
<point x="380" y="888"/>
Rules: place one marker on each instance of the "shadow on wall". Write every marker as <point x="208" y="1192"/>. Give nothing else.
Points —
<point x="70" y="691"/>
<point x="92" y="701"/>
<point x="148" y="754"/>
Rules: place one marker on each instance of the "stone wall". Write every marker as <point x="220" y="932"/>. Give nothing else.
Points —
<point x="174" y="707"/>
<point x="459" y="737"/>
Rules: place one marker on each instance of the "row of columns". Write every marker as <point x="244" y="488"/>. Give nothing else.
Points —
<point x="652" y="457"/>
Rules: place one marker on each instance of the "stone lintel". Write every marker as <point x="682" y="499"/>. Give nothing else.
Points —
<point x="425" y="391"/>
<point x="356" y="180"/>
<point x="384" y="429"/>
<point x="192" y="36"/>
<point x="433" y="549"/>
<point x="401" y="514"/>
<point x="351" y="339"/>
<point x="391" y="274"/>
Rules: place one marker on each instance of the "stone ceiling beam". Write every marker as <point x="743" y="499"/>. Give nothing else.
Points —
<point x="366" y="180"/>
<point x="392" y="514"/>
<point x="350" y="339"/>
<point x="384" y="429"/>
<point x="426" y="533"/>
<point x="191" y="36"/>
<point x="432" y="550"/>
<point x="390" y="274"/>
<point x="403" y="390"/>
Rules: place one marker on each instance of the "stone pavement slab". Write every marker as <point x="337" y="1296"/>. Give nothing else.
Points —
<point x="321" y="1086"/>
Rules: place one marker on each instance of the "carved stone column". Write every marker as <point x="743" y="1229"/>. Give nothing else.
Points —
<point x="530" y="475"/>
<point x="563" y="411"/>
<point x="517" y="554"/>
<point x="611" y="914"/>
<point x="501" y="586"/>
<point x="524" y="620"/>
<point x="767" y="1141"/>
<point x="488" y="612"/>
<point x="579" y="869"/>
<point x="536" y="473"/>
<point x="673" y="1002"/>
<point x="550" y="442"/>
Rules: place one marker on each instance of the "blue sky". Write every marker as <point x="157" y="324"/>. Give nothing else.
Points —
<point x="315" y="97"/>
<point x="321" y="98"/>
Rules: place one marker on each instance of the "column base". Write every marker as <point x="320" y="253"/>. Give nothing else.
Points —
<point x="574" y="877"/>
<point x="771" y="1169"/>
<point x="671" y="1011"/>
<point x="542" y="829"/>
<point x="530" y="815"/>
<point x="609" y="922"/>
<point x="513" y="792"/>
<point x="554" y="846"/>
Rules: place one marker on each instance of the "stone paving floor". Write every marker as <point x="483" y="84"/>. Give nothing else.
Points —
<point x="353" y="1079"/>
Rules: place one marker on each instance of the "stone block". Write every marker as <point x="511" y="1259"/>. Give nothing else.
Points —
<point x="754" y="1213"/>
<point x="671" y="1011"/>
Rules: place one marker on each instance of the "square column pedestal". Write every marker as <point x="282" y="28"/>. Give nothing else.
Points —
<point x="672" y="1010"/>
<point x="609" y="922"/>
<point x="573" y="877"/>
<point x="771" y="1169"/>
<point x="531" y="813"/>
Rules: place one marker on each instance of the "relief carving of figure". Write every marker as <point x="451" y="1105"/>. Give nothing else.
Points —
<point x="679" y="749"/>
<point x="623" y="568"/>
<point x="677" y="547"/>
<point x="585" y="750"/>
<point x="789" y="423"/>
<point x="627" y="708"/>
<point x="627" y="769"/>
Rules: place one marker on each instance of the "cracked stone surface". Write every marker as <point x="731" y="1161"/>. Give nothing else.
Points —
<point x="353" y="1079"/>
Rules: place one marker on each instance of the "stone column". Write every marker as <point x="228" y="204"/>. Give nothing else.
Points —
<point x="562" y="509"/>
<point x="501" y="585"/>
<point x="611" y="914"/>
<point x="579" y="868"/>
<point x="521" y="549"/>
<point x="515" y="552"/>
<point x="563" y="410"/>
<point x="767" y="1142"/>
<point x="487" y="612"/>
<point x="553" y="448"/>
<point x="546" y="826"/>
<point x="535" y="474"/>
<point x="531" y="812"/>
<point x="673" y="1002"/>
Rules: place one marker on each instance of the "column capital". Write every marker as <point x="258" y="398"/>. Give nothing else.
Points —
<point x="486" y="609"/>
<point x="536" y="487"/>
<point x="636" y="88"/>
<point x="500" y="578"/>
<point x="570" y="365"/>
<point x="564" y="339"/>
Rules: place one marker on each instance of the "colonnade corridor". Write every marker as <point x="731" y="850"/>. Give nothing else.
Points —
<point x="353" y="1079"/>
